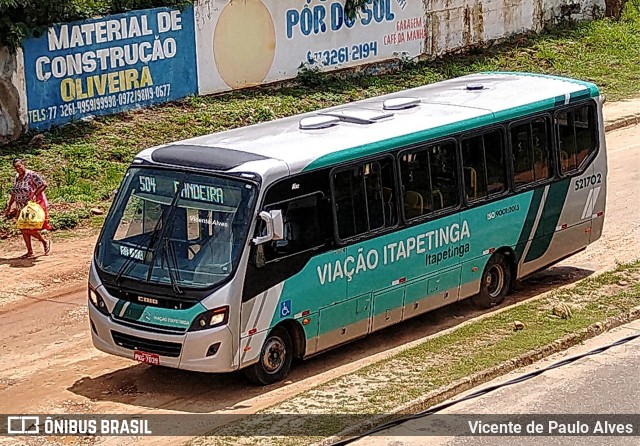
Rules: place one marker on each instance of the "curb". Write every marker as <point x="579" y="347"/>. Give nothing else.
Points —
<point x="625" y="121"/>
<point x="440" y="395"/>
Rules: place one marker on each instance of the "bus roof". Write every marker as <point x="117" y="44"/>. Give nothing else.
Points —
<point x="444" y="108"/>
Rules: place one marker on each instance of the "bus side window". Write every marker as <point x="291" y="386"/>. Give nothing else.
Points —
<point x="389" y="198"/>
<point x="444" y="178"/>
<point x="541" y="146"/>
<point x="364" y="198"/>
<point x="303" y="229"/>
<point x="416" y="183"/>
<point x="522" y="154"/>
<point x="475" y="180"/>
<point x="428" y="179"/>
<point x="576" y="136"/>
<point x="530" y="150"/>
<point x="495" y="162"/>
<point x="483" y="165"/>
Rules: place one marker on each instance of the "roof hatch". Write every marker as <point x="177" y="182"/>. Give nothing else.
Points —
<point x="400" y="103"/>
<point x="317" y="122"/>
<point x="358" y="115"/>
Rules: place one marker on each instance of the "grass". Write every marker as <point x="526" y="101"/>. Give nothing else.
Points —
<point x="85" y="161"/>
<point x="386" y="385"/>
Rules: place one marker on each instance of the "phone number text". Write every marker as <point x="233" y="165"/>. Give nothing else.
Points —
<point x="91" y="105"/>
<point x="344" y="54"/>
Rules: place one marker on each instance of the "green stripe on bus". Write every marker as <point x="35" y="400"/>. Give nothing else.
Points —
<point x="336" y="300"/>
<point x="158" y="315"/>
<point x="134" y="312"/>
<point x="118" y="308"/>
<point x="551" y="214"/>
<point x="579" y="95"/>
<point x="593" y="88"/>
<point x="529" y="221"/>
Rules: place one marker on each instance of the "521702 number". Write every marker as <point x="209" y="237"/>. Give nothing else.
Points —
<point x="587" y="181"/>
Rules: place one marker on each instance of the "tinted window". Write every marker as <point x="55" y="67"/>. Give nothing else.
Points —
<point x="577" y="134"/>
<point x="483" y="165"/>
<point x="428" y="177"/>
<point x="364" y="198"/>
<point x="531" y="152"/>
<point x="306" y="213"/>
<point x="308" y="230"/>
<point x="304" y="227"/>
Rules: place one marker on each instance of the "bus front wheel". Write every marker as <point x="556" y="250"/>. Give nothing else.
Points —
<point x="275" y="359"/>
<point x="495" y="282"/>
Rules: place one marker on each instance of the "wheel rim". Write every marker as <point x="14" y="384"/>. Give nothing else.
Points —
<point x="495" y="280"/>
<point x="274" y="355"/>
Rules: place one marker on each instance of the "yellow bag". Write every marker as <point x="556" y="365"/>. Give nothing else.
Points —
<point x="31" y="216"/>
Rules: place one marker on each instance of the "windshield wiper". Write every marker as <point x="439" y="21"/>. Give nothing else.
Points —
<point x="167" y="257"/>
<point x="149" y="238"/>
<point x="169" y="253"/>
<point x="168" y="226"/>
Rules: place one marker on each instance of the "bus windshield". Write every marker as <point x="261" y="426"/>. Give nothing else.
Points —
<point x="176" y="228"/>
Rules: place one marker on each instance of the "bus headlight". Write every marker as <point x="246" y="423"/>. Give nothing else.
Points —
<point x="209" y="319"/>
<point x="98" y="302"/>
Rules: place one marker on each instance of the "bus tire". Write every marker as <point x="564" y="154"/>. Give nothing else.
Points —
<point x="275" y="359"/>
<point x="495" y="282"/>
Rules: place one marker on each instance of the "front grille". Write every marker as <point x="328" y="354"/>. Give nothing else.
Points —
<point x="163" y="348"/>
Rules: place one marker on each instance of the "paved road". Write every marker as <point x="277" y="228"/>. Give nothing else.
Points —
<point x="603" y="384"/>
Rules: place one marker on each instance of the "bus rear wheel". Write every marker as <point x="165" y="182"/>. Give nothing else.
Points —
<point x="495" y="282"/>
<point x="275" y="359"/>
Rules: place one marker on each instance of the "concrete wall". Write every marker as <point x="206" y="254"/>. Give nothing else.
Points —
<point x="455" y="24"/>
<point x="13" y="117"/>
<point x="220" y="45"/>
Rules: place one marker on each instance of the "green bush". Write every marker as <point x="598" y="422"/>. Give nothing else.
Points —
<point x="68" y="219"/>
<point x="631" y="11"/>
<point x="24" y="18"/>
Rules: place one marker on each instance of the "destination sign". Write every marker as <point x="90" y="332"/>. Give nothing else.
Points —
<point x="202" y="191"/>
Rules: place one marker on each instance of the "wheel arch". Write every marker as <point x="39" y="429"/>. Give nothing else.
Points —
<point x="296" y="332"/>
<point x="512" y="260"/>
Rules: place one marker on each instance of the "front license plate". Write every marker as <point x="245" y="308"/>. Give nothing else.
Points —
<point x="149" y="358"/>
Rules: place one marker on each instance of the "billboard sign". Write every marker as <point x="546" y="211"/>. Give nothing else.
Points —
<point x="252" y="42"/>
<point x="110" y="64"/>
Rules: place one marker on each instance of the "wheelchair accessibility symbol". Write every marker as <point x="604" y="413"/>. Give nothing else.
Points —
<point x="285" y="308"/>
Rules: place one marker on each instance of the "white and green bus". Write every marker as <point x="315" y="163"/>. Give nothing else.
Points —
<point x="247" y="248"/>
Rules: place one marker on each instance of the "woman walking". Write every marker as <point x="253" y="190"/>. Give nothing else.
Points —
<point x="29" y="186"/>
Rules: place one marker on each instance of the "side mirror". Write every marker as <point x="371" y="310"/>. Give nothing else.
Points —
<point x="275" y="227"/>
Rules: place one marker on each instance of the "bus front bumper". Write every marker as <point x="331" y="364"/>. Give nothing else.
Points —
<point x="209" y="351"/>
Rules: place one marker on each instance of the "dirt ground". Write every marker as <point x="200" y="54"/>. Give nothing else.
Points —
<point x="48" y="364"/>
